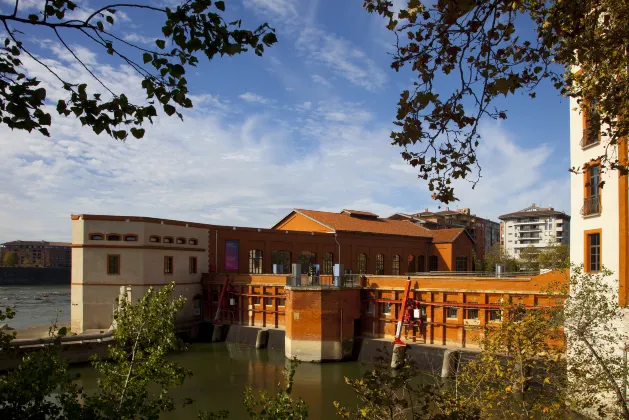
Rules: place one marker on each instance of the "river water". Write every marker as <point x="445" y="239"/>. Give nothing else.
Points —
<point x="36" y="305"/>
<point x="220" y="370"/>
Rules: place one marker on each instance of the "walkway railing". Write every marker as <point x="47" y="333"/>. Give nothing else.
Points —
<point x="492" y="274"/>
<point x="346" y="280"/>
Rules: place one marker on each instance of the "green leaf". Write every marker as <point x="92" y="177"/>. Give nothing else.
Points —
<point x="33" y="18"/>
<point x="169" y="109"/>
<point x="147" y="57"/>
<point x="160" y="43"/>
<point x="63" y="331"/>
<point x="220" y="5"/>
<point x="110" y="19"/>
<point x="270" y="38"/>
<point x="138" y="133"/>
<point x="100" y="25"/>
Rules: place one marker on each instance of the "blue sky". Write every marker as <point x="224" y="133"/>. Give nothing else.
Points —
<point x="305" y="126"/>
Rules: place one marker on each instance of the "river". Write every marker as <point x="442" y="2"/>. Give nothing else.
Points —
<point x="36" y="305"/>
<point x="220" y="370"/>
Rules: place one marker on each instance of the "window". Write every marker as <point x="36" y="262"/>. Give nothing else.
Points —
<point x="328" y="265"/>
<point x="421" y="266"/>
<point x="370" y="307"/>
<point x="193" y="241"/>
<point x="452" y="312"/>
<point x="113" y="265"/>
<point x="281" y="302"/>
<point x="114" y="237"/>
<point x="592" y="193"/>
<point x="281" y="259"/>
<point x="395" y="267"/>
<point x="362" y="263"/>
<point x="433" y="262"/>
<point x="461" y="263"/>
<point x="386" y="308"/>
<point x="96" y="236"/>
<point x="168" y="239"/>
<point x="268" y="301"/>
<point x="591" y="124"/>
<point x="593" y="251"/>
<point x="181" y="241"/>
<point x="154" y="238"/>
<point x="168" y="265"/>
<point x="495" y="315"/>
<point x="472" y="313"/>
<point x="256" y="300"/>
<point x="411" y="264"/>
<point x="379" y="264"/>
<point x="307" y="259"/>
<point x="192" y="265"/>
<point x="131" y="238"/>
<point x="255" y="261"/>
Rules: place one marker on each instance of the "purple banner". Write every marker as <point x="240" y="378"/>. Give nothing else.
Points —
<point x="231" y="255"/>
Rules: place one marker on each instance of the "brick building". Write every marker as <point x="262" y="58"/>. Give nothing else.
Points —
<point x="39" y="253"/>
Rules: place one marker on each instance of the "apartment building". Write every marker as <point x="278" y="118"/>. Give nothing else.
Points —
<point x="39" y="253"/>
<point x="537" y="226"/>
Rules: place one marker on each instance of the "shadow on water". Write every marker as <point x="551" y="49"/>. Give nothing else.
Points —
<point x="222" y="370"/>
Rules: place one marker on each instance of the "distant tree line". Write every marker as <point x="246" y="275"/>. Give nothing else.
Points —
<point x="530" y="259"/>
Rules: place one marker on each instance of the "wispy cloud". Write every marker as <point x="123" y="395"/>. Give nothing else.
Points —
<point x="141" y="39"/>
<point x="320" y="80"/>
<point x="252" y="97"/>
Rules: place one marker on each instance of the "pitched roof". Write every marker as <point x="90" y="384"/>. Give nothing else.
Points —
<point x="536" y="213"/>
<point x="359" y="213"/>
<point x="446" y="235"/>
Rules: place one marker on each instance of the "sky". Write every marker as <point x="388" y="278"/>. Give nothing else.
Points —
<point x="306" y="125"/>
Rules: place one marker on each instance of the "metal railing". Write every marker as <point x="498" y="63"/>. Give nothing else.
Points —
<point x="346" y="280"/>
<point x="492" y="274"/>
<point x="591" y="206"/>
<point x="590" y="137"/>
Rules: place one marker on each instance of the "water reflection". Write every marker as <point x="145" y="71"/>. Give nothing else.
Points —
<point x="222" y="370"/>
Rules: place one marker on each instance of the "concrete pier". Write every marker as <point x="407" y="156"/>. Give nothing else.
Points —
<point x="262" y="339"/>
<point x="217" y="333"/>
<point x="397" y="356"/>
<point x="450" y="363"/>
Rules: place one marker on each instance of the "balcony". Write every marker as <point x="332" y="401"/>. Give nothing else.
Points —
<point x="528" y="230"/>
<point x="590" y="138"/>
<point x="592" y="206"/>
<point x="527" y="222"/>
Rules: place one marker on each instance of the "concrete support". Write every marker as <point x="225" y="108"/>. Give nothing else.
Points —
<point x="217" y="333"/>
<point x="450" y="365"/>
<point x="397" y="358"/>
<point x="262" y="339"/>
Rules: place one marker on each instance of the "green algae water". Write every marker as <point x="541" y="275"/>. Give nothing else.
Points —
<point x="222" y="370"/>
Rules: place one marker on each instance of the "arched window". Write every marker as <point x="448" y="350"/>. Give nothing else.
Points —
<point x="433" y="262"/>
<point x="411" y="264"/>
<point x="181" y="241"/>
<point x="155" y="238"/>
<point x="283" y="260"/>
<point x="114" y="237"/>
<point x="306" y="259"/>
<point x="421" y="266"/>
<point x="168" y="239"/>
<point x="96" y="236"/>
<point x="255" y="261"/>
<point x="379" y="264"/>
<point x="328" y="263"/>
<point x="362" y="263"/>
<point x="395" y="267"/>
<point x="131" y="238"/>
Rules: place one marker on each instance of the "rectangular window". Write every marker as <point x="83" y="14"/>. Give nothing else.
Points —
<point x="593" y="263"/>
<point x="461" y="263"/>
<point x="592" y="193"/>
<point x="421" y="266"/>
<point x="452" y="312"/>
<point x="113" y="265"/>
<point x="434" y="263"/>
<point x="370" y="307"/>
<point x="193" y="265"/>
<point x="268" y="301"/>
<point x="281" y="302"/>
<point x="168" y="265"/>
<point x="495" y="315"/>
<point x="386" y="308"/>
<point x="256" y="300"/>
<point x="472" y="313"/>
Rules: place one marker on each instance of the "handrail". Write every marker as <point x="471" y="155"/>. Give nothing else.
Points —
<point x="589" y="139"/>
<point x="591" y="206"/>
<point x="66" y="339"/>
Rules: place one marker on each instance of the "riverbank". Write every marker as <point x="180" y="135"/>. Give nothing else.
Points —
<point x="34" y="276"/>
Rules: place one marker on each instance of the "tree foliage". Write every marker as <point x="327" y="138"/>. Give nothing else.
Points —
<point x="10" y="259"/>
<point x="481" y="49"/>
<point x="134" y="381"/>
<point x="191" y="29"/>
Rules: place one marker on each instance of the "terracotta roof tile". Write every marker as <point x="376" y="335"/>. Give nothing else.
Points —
<point x="536" y="213"/>
<point x="359" y="213"/>
<point x="344" y="222"/>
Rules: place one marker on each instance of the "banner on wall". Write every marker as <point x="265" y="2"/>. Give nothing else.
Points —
<point x="231" y="255"/>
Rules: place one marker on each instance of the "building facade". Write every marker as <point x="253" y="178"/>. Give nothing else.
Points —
<point x="599" y="229"/>
<point x="484" y="232"/>
<point x="39" y="253"/>
<point x="535" y="226"/>
<point x="110" y="252"/>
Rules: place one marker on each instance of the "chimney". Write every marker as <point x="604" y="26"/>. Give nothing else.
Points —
<point x="533" y="205"/>
<point x="447" y="208"/>
<point x="425" y="210"/>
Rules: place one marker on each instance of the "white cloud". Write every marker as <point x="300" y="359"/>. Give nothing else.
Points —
<point x="139" y="39"/>
<point x="252" y="97"/>
<point x="321" y="80"/>
<point x="342" y="58"/>
<point x="281" y="9"/>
